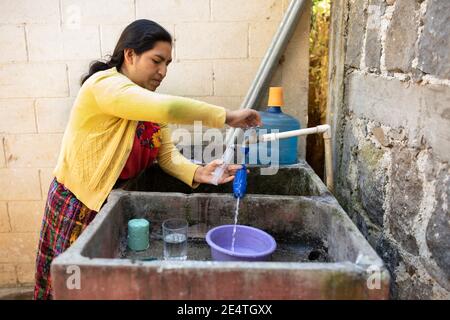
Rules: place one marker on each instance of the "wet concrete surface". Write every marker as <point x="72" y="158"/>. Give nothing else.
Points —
<point x="20" y="293"/>
<point x="199" y="250"/>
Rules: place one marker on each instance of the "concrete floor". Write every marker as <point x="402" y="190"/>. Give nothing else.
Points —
<point x="20" y="293"/>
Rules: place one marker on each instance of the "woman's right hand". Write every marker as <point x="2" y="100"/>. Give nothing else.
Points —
<point x="205" y="174"/>
<point x="243" y="118"/>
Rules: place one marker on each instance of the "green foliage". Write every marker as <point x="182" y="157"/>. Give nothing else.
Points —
<point x="318" y="81"/>
<point x="318" y="72"/>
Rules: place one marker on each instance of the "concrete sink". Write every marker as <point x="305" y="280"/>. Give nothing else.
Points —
<point x="320" y="255"/>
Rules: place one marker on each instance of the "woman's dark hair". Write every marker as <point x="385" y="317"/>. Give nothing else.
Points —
<point x="140" y="35"/>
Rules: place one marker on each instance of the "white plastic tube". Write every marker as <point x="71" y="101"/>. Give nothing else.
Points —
<point x="293" y="133"/>
<point x="227" y="158"/>
<point x="324" y="128"/>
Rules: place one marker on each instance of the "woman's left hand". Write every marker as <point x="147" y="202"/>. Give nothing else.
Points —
<point x="205" y="174"/>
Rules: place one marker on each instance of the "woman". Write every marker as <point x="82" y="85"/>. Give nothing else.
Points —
<point x="117" y="128"/>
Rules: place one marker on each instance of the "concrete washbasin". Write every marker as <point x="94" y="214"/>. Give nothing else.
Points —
<point x="320" y="252"/>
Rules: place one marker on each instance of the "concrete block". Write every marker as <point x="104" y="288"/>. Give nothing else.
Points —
<point x="32" y="150"/>
<point x="211" y="40"/>
<point x="295" y="77"/>
<point x="300" y="37"/>
<point x="82" y="43"/>
<point x="421" y="110"/>
<point x="373" y="50"/>
<point x="19" y="184"/>
<point x="26" y="11"/>
<point x="5" y="225"/>
<point x="173" y="10"/>
<point x="26" y="216"/>
<point x="434" y="43"/>
<point x="285" y="5"/>
<point x="435" y="118"/>
<point x="372" y="54"/>
<point x="26" y="273"/>
<point x="438" y="231"/>
<point x="232" y="103"/>
<point x="260" y="37"/>
<point x="46" y="177"/>
<point x="17" y="116"/>
<point x="356" y="26"/>
<point x="233" y="77"/>
<point x="414" y="283"/>
<point x="249" y="10"/>
<point x="380" y="136"/>
<point x="31" y="80"/>
<point x="52" y="115"/>
<point x="8" y="276"/>
<point x="371" y="181"/>
<point x="170" y="27"/>
<point x="401" y="36"/>
<point x="18" y="247"/>
<point x="364" y="99"/>
<point x="188" y="79"/>
<point x="45" y="42"/>
<point x="2" y="153"/>
<point x="77" y="13"/>
<point x="295" y="82"/>
<point x="75" y="70"/>
<point x="109" y="35"/>
<point x="12" y="42"/>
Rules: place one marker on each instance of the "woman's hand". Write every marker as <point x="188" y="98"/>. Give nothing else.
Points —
<point x="243" y="118"/>
<point x="205" y="174"/>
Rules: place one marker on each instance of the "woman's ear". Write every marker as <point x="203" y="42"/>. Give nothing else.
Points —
<point x="128" y="56"/>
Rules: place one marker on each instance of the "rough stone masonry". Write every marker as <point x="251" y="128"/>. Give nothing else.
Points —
<point x="390" y="109"/>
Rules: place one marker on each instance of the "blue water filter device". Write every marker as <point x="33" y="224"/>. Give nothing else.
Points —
<point x="274" y="120"/>
<point x="240" y="179"/>
<point x="240" y="183"/>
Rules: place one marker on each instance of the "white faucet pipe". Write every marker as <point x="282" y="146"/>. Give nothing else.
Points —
<point x="293" y="133"/>
<point x="324" y="128"/>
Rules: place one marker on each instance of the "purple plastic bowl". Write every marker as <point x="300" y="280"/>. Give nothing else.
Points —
<point x="251" y="244"/>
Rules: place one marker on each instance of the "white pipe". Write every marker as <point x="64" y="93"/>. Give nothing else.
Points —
<point x="294" y="133"/>
<point x="324" y="128"/>
<point x="328" y="160"/>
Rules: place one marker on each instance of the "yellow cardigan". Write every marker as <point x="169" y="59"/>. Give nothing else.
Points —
<point x="100" y="133"/>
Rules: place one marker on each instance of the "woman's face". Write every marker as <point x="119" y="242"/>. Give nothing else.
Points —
<point x="149" y="68"/>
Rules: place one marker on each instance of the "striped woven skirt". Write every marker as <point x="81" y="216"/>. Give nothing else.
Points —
<point x="65" y="217"/>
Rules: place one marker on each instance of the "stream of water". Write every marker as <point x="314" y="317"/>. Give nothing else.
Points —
<point x="236" y="214"/>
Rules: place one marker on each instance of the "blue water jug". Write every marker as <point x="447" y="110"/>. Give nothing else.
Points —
<point x="275" y="119"/>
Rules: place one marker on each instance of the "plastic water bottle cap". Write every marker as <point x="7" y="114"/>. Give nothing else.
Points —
<point x="275" y="97"/>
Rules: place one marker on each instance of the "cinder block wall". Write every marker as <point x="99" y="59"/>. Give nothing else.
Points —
<point x="390" y="109"/>
<point x="46" y="46"/>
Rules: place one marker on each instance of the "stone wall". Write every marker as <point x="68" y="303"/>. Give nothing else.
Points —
<point x="390" y="111"/>
<point x="47" y="45"/>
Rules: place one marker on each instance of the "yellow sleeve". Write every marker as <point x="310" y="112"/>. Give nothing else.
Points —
<point x="173" y="162"/>
<point x="117" y="95"/>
